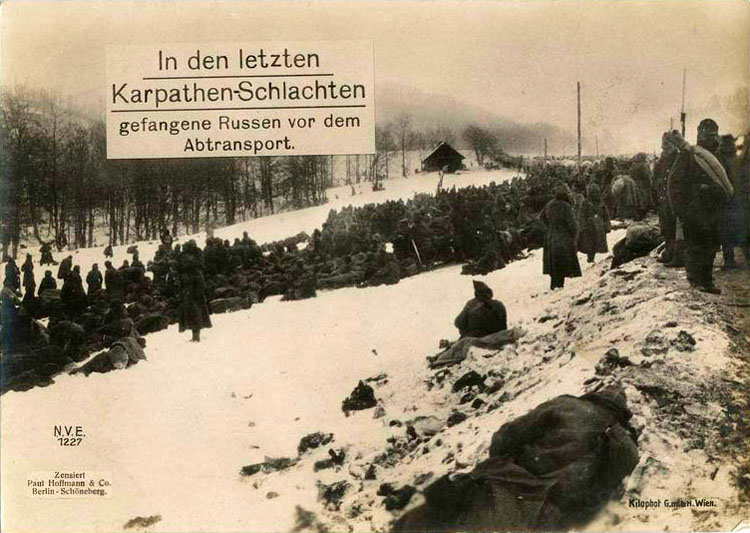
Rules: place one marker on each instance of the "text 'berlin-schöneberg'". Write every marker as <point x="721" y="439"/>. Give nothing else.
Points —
<point x="207" y="91"/>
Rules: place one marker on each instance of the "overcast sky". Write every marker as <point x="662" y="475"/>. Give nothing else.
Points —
<point x="519" y="60"/>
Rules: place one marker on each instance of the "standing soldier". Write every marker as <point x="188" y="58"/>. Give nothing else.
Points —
<point x="166" y="239"/>
<point x="61" y="241"/>
<point x="698" y="187"/>
<point x="594" y="224"/>
<point x="29" y="283"/>
<point x="731" y="234"/>
<point x="194" y="313"/>
<point x="641" y="174"/>
<point x="672" y="256"/>
<point x="48" y="283"/>
<point x="72" y="296"/>
<point x="46" y="251"/>
<point x="114" y="282"/>
<point x="743" y="197"/>
<point x="559" y="256"/>
<point x="65" y="268"/>
<point x="12" y="275"/>
<point x="94" y="280"/>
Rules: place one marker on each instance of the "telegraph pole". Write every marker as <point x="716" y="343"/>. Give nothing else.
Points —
<point x="545" y="152"/>
<point x="578" y="87"/>
<point x="683" y="116"/>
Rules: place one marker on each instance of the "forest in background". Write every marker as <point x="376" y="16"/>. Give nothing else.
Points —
<point x="56" y="184"/>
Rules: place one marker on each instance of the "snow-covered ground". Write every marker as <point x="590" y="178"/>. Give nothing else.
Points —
<point x="174" y="431"/>
<point x="151" y="427"/>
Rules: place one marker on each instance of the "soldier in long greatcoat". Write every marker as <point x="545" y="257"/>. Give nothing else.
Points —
<point x="734" y="231"/>
<point x="114" y="282"/>
<point x="72" y="295"/>
<point x="46" y="251"/>
<point x="672" y="255"/>
<point x="559" y="258"/>
<point x="48" y="282"/>
<point x="194" y="314"/>
<point x="66" y="266"/>
<point x="29" y="283"/>
<point x="94" y="280"/>
<point x="594" y="224"/>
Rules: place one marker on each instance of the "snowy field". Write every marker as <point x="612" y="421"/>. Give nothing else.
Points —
<point x="173" y="432"/>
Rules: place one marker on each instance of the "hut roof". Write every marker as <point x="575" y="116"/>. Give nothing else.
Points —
<point x="445" y="148"/>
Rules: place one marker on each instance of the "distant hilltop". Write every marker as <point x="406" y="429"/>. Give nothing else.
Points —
<point x="435" y="111"/>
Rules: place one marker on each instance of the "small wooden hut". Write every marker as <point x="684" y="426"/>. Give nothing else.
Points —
<point x="443" y="156"/>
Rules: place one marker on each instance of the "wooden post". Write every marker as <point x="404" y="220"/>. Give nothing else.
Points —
<point x="545" y="152"/>
<point x="578" y="87"/>
<point x="683" y="115"/>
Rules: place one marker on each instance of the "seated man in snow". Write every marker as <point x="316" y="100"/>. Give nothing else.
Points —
<point x="483" y="322"/>
<point x="550" y="469"/>
<point x="481" y="315"/>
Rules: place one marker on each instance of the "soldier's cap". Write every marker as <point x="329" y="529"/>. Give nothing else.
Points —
<point x="481" y="289"/>
<point x="708" y="125"/>
<point x="728" y="139"/>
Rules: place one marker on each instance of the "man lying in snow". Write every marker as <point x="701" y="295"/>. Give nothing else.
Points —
<point x="124" y="352"/>
<point x="550" y="469"/>
<point x="483" y="322"/>
<point x="638" y="242"/>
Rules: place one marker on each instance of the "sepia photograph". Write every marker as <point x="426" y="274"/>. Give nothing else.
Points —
<point x="376" y="266"/>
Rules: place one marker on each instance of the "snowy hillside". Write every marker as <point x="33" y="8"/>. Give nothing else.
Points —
<point x="175" y="431"/>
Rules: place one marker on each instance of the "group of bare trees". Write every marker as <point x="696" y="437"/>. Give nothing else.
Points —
<point x="57" y="185"/>
<point x="484" y="142"/>
<point x="51" y="166"/>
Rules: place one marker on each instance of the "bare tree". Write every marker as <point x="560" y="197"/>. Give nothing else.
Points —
<point x="483" y="142"/>
<point x="402" y="125"/>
